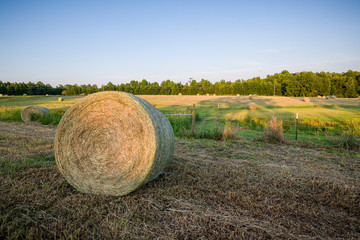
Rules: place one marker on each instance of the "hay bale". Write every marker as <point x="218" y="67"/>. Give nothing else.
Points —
<point x="24" y="94"/>
<point x="111" y="143"/>
<point x="1" y="95"/>
<point x="252" y="106"/>
<point x="46" y="95"/>
<point x="333" y="97"/>
<point x="207" y="94"/>
<point x="252" y="97"/>
<point x="319" y="96"/>
<point x="306" y="99"/>
<point x="197" y="94"/>
<point x="214" y="94"/>
<point x="180" y="94"/>
<point x="60" y="99"/>
<point x="238" y="95"/>
<point x="29" y="110"/>
<point x="327" y="97"/>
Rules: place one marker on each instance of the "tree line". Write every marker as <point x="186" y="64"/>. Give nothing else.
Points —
<point x="280" y="84"/>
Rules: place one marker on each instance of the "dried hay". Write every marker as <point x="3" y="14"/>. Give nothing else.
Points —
<point x="328" y="97"/>
<point x="197" y="94"/>
<point x="60" y="99"/>
<point x="180" y="94"/>
<point x="238" y="95"/>
<point x="319" y="96"/>
<point x="1" y="95"/>
<point x="24" y="94"/>
<point x="111" y="143"/>
<point x="333" y="97"/>
<point x="207" y="94"/>
<point x="252" y="106"/>
<point x="47" y="95"/>
<point x="306" y="99"/>
<point x="30" y="110"/>
<point x="214" y="94"/>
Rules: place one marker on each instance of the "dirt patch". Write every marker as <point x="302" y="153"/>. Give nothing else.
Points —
<point x="211" y="190"/>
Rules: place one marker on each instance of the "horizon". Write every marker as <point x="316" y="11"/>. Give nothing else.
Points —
<point x="97" y="43"/>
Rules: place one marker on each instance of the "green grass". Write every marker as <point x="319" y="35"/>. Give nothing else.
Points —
<point x="316" y="122"/>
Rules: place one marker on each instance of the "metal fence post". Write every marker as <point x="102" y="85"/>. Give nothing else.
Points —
<point x="193" y="121"/>
<point x="296" y="124"/>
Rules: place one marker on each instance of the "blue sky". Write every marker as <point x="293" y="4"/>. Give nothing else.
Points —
<point x="60" y="42"/>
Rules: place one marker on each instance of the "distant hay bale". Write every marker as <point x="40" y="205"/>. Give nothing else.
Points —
<point x="207" y="94"/>
<point x="30" y="110"/>
<point x="319" y="96"/>
<point x="327" y="97"/>
<point x="24" y="94"/>
<point x="60" y="99"/>
<point x="47" y="95"/>
<point x="197" y="94"/>
<point x="333" y="97"/>
<point x="252" y="97"/>
<point x="214" y="94"/>
<point x="306" y="99"/>
<point x="111" y="143"/>
<point x="252" y="106"/>
<point x="180" y="94"/>
<point x="1" y="95"/>
<point x="238" y="95"/>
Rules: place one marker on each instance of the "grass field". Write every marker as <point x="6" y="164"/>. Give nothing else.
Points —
<point x="211" y="190"/>
<point x="233" y="189"/>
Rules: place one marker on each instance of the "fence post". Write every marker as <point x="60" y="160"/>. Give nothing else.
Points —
<point x="193" y="121"/>
<point x="296" y="124"/>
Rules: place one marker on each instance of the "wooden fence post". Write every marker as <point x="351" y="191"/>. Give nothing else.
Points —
<point x="193" y="121"/>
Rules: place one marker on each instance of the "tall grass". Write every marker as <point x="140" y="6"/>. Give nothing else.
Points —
<point x="273" y="131"/>
<point x="10" y="114"/>
<point x="51" y="119"/>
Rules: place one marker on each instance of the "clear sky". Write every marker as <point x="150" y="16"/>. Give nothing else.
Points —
<point x="60" y="42"/>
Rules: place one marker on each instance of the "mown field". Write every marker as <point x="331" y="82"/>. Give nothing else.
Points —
<point x="243" y="188"/>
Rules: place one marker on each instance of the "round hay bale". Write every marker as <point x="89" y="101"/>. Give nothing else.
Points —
<point x="327" y="97"/>
<point x="214" y="94"/>
<point x="238" y="95"/>
<point x="197" y="94"/>
<point x="111" y="143"/>
<point x="47" y="95"/>
<point x="24" y="94"/>
<point x="252" y="97"/>
<point x="306" y="99"/>
<point x="180" y="94"/>
<point x="1" y="95"/>
<point x="252" y="106"/>
<point x="207" y="94"/>
<point x="60" y="99"/>
<point x="333" y="97"/>
<point x="319" y="96"/>
<point x="29" y="110"/>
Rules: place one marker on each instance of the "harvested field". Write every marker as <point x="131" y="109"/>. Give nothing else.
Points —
<point x="211" y="190"/>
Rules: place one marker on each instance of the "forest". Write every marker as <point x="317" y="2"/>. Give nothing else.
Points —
<point x="299" y="84"/>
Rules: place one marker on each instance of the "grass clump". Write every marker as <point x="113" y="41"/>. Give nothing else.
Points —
<point x="273" y="131"/>
<point x="231" y="131"/>
<point x="10" y="114"/>
<point x="50" y="119"/>
<point x="349" y="141"/>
